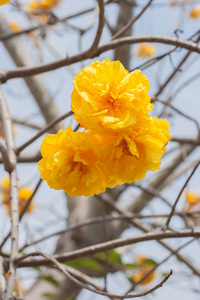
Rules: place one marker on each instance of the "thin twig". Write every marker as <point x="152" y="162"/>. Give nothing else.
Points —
<point x="178" y="197"/>
<point x="131" y="22"/>
<point x="44" y="130"/>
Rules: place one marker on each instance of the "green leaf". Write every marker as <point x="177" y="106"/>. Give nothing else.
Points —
<point x="132" y="266"/>
<point x="49" y="295"/>
<point x="113" y="257"/>
<point x="148" y="261"/>
<point x="85" y="263"/>
<point x="51" y="280"/>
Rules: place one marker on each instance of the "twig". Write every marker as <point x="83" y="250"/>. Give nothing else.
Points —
<point x="100" y="28"/>
<point x="44" y="130"/>
<point x="178" y="197"/>
<point x="131" y="22"/>
<point x="23" y="211"/>
<point x="64" y="270"/>
<point x="97" y="220"/>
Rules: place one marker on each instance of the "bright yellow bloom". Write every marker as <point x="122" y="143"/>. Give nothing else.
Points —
<point x="192" y="201"/>
<point x="195" y="13"/>
<point x="2" y="2"/>
<point x="108" y="98"/>
<point x="14" y="26"/>
<point x="143" y="269"/>
<point x="23" y="193"/>
<point x="72" y="162"/>
<point x="129" y="155"/>
<point x="145" y="50"/>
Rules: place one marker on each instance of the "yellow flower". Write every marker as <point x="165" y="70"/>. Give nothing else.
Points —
<point x="2" y="2"/>
<point x="145" y="50"/>
<point x="195" y="13"/>
<point x="72" y="162"/>
<point x="23" y="193"/>
<point x="145" y="266"/>
<point x="34" y="6"/>
<point x="49" y="4"/>
<point x="128" y="155"/>
<point x="192" y="201"/>
<point x="108" y="98"/>
<point x="14" y="26"/>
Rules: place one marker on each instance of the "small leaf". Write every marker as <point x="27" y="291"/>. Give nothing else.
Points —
<point x="49" y="295"/>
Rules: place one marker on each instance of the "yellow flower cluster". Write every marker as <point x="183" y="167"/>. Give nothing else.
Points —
<point x="145" y="50"/>
<point x="121" y="140"/>
<point x="144" y="268"/>
<point x="23" y="193"/>
<point x="195" y="12"/>
<point x="2" y="2"/>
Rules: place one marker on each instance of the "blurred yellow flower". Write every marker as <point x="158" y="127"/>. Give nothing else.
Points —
<point x="17" y="287"/>
<point x="14" y="26"/>
<point x="192" y="201"/>
<point x="145" y="266"/>
<point x="145" y="50"/>
<point x="72" y="162"/>
<point x="2" y="2"/>
<point x="43" y="5"/>
<point x="23" y="193"/>
<point x="195" y="12"/>
<point x="108" y="98"/>
<point x="2" y="133"/>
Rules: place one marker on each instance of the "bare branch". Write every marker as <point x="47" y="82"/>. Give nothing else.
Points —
<point x="30" y="71"/>
<point x="25" y="261"/>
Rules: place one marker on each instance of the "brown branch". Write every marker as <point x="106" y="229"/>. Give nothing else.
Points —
<point x="65" y="271"/>
<point x="108" y="218"/>
<point x="5" y="158"/>
<point x="25" y="261"/>
<point x="100" y="28"/>
<point x="8" y="133"/>
<point x="30" y="71"/>
<point x="195" y="142"/>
